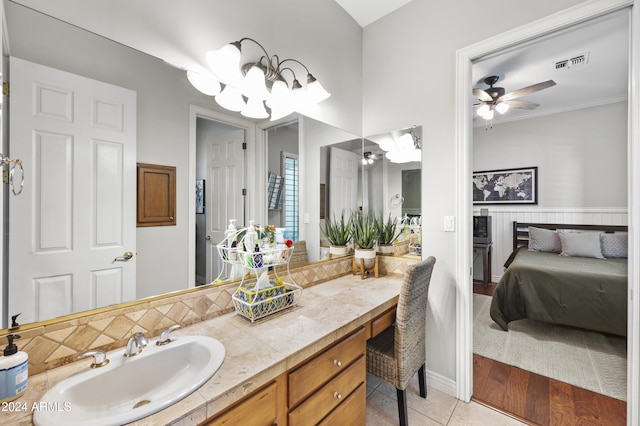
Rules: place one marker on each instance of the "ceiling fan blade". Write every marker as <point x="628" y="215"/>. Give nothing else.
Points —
<point x="482" y="95"/>
<point x="528" y="90"/>
<point x="522" y="104"/>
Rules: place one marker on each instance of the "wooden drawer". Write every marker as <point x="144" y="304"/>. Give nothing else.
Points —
<point x="383" y="321"/>
<point x="259" y="409"/>
<point x="331" y="395"/>
<point x="351" y="412"/>
<point x="306" y="379"/>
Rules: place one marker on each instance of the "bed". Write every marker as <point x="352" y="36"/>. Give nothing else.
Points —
<point x="574" y="284"/>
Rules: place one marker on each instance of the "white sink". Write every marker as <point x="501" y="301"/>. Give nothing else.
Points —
<point x="128" y="389"/>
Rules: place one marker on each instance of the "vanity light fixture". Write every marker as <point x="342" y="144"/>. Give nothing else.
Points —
<point x="403" y="149"/>
<point x="256" y="89"/>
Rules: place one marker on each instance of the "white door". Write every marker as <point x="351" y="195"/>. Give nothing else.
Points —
<point x="343" y="189"/>
<point x="225" y="182"/>
<point x="76" y="214"/>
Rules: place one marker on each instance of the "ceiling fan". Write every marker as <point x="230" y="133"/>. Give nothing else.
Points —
<point x="494" y="98"/>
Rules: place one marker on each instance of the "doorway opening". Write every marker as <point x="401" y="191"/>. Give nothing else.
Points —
<point x="465" y="57"/>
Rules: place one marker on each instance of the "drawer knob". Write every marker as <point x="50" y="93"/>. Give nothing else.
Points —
<point x="337" y="395"/>
<point x="337" y="363"/>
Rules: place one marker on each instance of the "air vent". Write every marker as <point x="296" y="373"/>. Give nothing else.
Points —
<point x="574" y="61"/>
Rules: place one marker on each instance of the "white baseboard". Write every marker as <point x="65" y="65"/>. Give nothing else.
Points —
<point x="441" y="383"/>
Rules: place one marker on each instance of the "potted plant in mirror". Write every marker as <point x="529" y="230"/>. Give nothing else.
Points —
<point x="338" y="232"/>
<point x="364" y="237"/>
<point x="387" y="232"/>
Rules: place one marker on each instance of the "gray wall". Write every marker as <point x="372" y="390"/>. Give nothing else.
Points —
<point x="581" y="155"/>
<point x="409" y="72"/>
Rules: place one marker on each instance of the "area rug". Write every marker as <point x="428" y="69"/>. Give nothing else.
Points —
<point x="587" y="359"/>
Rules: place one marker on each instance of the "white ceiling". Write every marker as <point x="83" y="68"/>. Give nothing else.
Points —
<point x="365" y="12"/>
<point x="604" y="79"/>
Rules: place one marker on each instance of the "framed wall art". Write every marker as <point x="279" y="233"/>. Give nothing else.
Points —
<point x="508" y="186"/>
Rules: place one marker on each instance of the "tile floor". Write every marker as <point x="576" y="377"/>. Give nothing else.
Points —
<point x="438" y="409"/>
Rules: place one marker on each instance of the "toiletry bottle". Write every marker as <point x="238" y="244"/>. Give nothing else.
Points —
<point x="14" y="373"/>
<point x="257" y="257"/>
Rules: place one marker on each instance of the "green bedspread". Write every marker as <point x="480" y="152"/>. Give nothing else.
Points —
<point x="575" y="291"/>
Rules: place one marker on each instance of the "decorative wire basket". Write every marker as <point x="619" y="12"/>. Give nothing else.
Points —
<point x="254" y="305"/>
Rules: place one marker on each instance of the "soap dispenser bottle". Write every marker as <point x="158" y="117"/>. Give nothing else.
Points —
<point x="14" y="374"/>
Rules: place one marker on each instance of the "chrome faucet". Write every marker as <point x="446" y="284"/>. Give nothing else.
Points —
<point x="164" y="336"/>
<point x="99" y="358"/>
<point x="136" y="343"/>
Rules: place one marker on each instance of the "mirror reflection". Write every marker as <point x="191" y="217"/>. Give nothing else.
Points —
<point x="165" y="259"/>
<point x="379" y="173"/>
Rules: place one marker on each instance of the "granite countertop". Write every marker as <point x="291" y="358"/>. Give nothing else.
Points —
<point x="256" y="353"/>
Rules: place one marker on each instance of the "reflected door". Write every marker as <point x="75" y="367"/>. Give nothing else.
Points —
<point x="225" y="182"/>
<point x="76" y="214"/>
<point x="343" y="189"/>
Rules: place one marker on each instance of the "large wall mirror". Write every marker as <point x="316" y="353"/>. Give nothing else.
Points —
<point x="161" y="261"/>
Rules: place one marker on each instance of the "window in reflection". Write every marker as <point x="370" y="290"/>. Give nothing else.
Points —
<point x="290" y="165"/>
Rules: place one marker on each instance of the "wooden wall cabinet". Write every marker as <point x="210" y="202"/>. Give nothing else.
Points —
<point x="156" y="204"/>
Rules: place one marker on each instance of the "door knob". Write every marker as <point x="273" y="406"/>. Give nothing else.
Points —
<point x="126" y="256"/>
<point x="208" y="238"/>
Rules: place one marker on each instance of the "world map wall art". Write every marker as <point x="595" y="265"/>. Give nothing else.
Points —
<point x="511" y="186"/>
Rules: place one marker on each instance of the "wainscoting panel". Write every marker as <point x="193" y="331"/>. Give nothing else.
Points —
<point x="502" y="226"/>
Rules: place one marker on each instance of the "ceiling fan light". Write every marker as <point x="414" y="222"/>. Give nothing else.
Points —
<point x="502" y="107"/>
<point x="488" y="115"/>
<point x="204" y="84"/>
<point x="483" y="109"/>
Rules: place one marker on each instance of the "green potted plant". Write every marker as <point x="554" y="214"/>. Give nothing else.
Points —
<point x="364" y="227"/>
<point x="387" y="232"/>
<point x="338" y="232"/>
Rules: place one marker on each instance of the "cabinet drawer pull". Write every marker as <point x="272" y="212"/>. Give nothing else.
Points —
<point x="337" y="395"/>
<point x="337" y="363"/>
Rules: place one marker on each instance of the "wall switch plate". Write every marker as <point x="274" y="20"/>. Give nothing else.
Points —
<point x="306" y="218"/>
<point x="449" y="224"/>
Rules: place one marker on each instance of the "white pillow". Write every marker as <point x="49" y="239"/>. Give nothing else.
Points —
<point x="546" y="240"/>
<point x="584" y="244"/>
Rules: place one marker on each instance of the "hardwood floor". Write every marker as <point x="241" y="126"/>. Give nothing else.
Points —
<point x="539" y="400"/>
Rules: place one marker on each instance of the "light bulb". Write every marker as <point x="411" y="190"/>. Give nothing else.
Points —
<point x="488" y="115"/>
<point x="231" y="99"/>
<point x="255" y="109"/>
<point x="205" y="84"/>
<point x="254" y="83"/>
<point x="502" y="107"/>
<point x="280" y="95"/>
<point x="225" y="64"/>
<point x="315" y="92"/>
<point x="483" y="109"/>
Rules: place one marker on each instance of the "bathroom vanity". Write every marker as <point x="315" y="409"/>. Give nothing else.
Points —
<point x="305" y="364"/>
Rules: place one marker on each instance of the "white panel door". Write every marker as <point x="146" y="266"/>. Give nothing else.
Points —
<point x="225" y="181"/>
<point x="76" y="214"/>
<point x="343" y="189"/>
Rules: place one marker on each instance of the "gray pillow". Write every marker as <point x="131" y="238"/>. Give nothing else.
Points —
<point x="584" y="244"/>
<point x="614" y="245"/>
<point x="546" y="240"/>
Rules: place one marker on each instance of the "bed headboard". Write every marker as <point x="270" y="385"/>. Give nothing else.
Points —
<point x="521" y="230"/>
